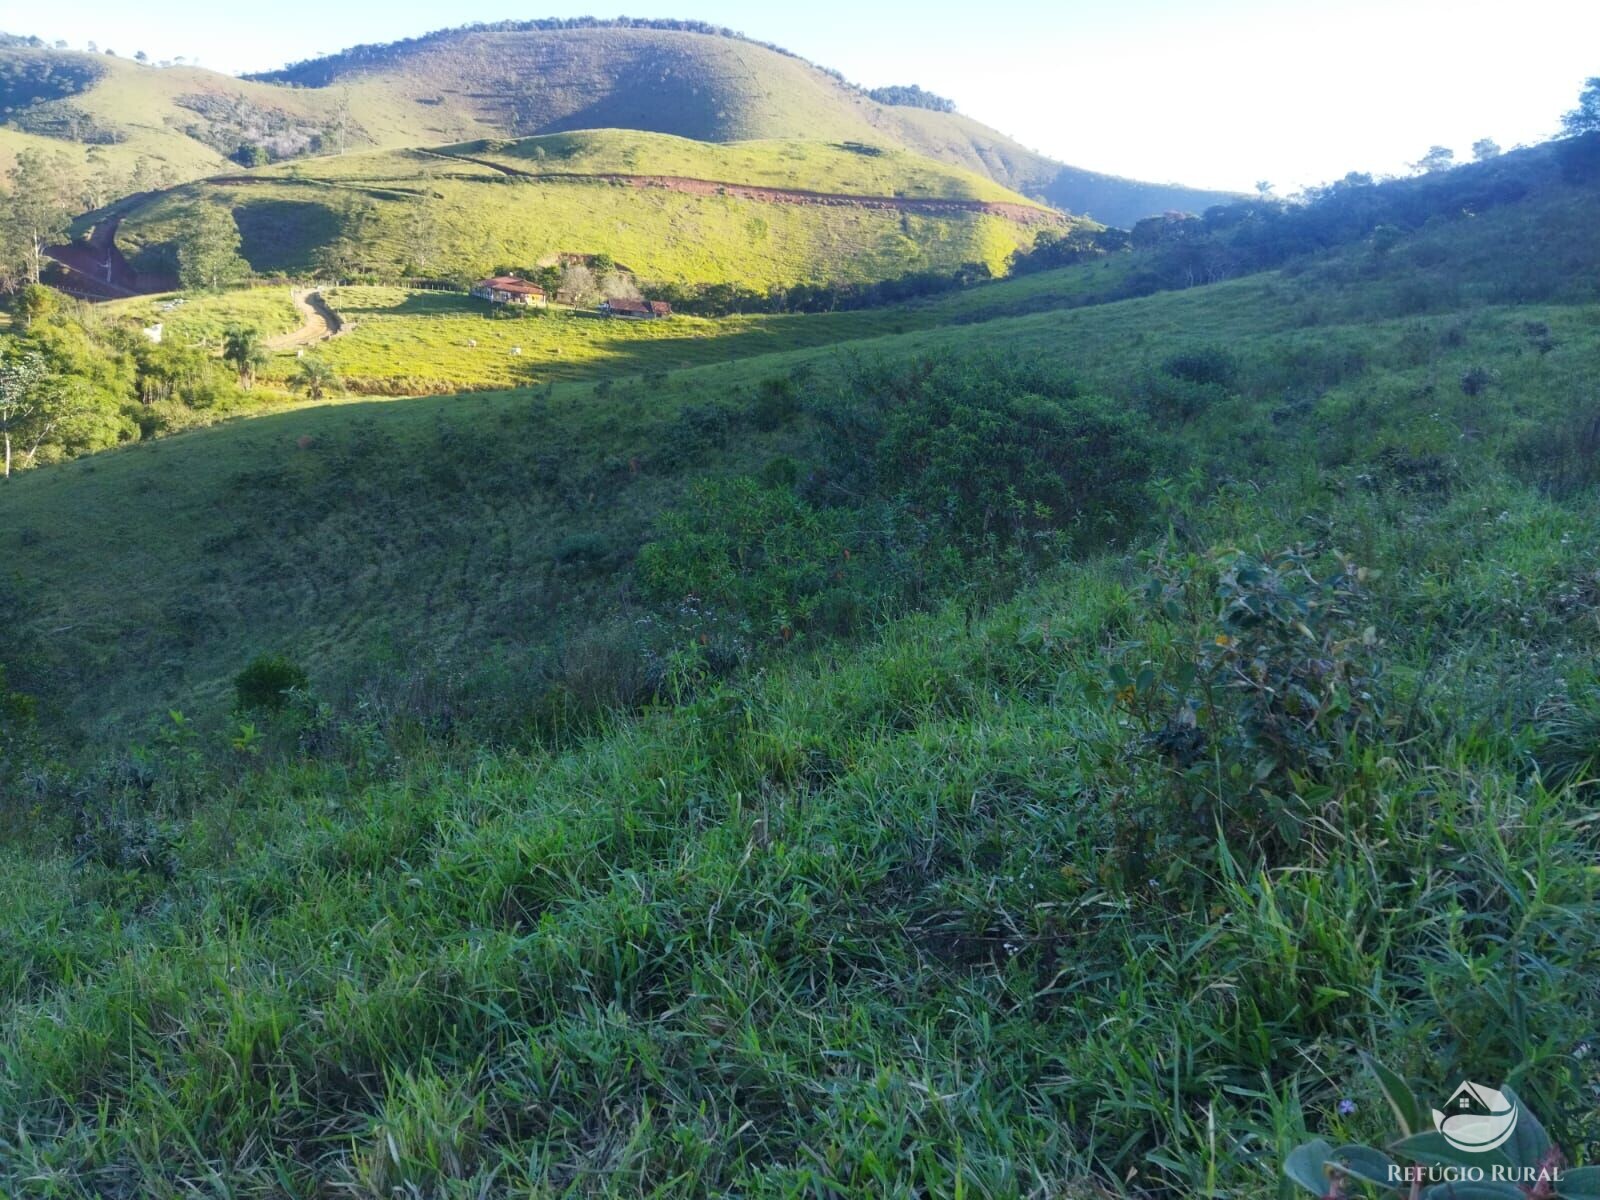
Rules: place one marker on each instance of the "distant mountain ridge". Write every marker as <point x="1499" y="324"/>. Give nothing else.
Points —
<point x="710" y="83"/>
<point x="526" y="78"/>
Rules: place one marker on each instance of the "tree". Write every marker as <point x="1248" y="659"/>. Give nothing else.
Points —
<point x="345" y="255"/>
<point x="37" y="214"/>
<point x="578" y="284"/>
<point x="140" y="56"/>
<point x="33" y="303"/>
<point x="22" y="400"/>
<point x="1586" y="117"/>
<point x="549" y="278"/>
<point x="1484" y="149"/>
<point x="339" y="124"/>
<point x="1438" y="158"/>
<point x="314" y="377"/>
<point x="208" y="251"/>
<point x="421" y="234"/>
<point x="241" y="346"/>
<point x="1264" y="189"/>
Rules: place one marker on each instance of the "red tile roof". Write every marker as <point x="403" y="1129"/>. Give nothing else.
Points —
<point x="510" y="283"/>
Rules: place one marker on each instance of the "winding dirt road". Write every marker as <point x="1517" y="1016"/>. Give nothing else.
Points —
<point x="320" y="324"/>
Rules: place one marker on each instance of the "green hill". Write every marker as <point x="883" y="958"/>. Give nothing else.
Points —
<point x="517" y="80"/>
<point x="671" y="210"/>
<point x="1030" y="753"/>
<point x="106" y="113"/>
<point x="463" y="85"/>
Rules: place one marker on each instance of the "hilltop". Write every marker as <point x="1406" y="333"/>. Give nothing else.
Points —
<point x="512" y="81"/>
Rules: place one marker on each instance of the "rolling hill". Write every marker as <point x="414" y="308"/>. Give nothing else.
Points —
<point x="517" y="81"/>
<point x="257" y="523"/>
<point x="1034" y="752"/>
<point x="755" y="215"/>
<point x="1048" y="740"/>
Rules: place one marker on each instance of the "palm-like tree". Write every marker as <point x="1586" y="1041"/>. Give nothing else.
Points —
<point x="314" y="377"/>
<point x="241" y="346"/>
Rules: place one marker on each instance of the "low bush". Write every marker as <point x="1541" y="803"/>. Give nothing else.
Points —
<point x="1203" y="364"/>
<point x="1258" y="706"/>
<point x="265" y="684"/>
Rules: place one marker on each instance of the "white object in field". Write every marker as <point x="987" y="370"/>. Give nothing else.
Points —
<point x="153" y="332"/>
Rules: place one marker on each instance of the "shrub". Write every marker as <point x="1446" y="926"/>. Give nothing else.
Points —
<point x="1261" y="697"/>
<point x="776" y="404"/>
<point x="1569" y="742"/>
<point x="762" y="552"/>
<point x="1476" y="380"/>
<point x="1203" y="364"/>
<point x="1562" y="456"/>
<point x="990" y="454"/>
<point x="583" y="548"/>
<point x="265" y="684"/>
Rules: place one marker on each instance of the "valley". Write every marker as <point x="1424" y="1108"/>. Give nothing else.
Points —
<point x="978" y="692"/>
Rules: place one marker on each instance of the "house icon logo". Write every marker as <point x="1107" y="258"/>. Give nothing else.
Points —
<point x="1476" y="1118"/>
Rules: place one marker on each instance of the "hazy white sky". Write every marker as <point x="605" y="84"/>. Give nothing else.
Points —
<point x="1216" y="94"/>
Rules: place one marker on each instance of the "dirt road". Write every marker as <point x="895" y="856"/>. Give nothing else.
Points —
<point x="321" y="322"/>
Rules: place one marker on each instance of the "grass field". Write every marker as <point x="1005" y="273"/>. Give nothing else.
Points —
<point x="869" y="921"/>
<point x="270" y="572"/>
<point x="405" y="341"/>
<point x="202" y="318"/>
<point x="803" y="165"/>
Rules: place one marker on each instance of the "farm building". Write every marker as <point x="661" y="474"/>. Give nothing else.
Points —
<point x="636" y="310"/>
<point x="508" y="289"/>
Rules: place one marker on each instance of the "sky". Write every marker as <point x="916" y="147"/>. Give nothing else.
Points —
<point x="1215" y="94"/>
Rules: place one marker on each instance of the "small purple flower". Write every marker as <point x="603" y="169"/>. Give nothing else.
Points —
<point x="1346" y="1107"/>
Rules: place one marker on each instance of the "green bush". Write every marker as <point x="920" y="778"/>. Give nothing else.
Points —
<point x="762" y="552"/>
<point x="1263" y="697"/>
<point x="991" y="454"/>
<point x="265" y="684"/>
<point x="1203" y="364"/>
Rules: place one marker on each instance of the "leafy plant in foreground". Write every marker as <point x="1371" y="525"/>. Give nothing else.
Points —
<point x="1415" y="1164"/>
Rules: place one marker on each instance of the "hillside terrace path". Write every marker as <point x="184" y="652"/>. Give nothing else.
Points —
<point x="1023" y="214"/>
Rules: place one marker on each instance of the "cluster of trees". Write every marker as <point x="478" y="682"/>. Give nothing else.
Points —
<point x="911" y="96"/>
<point x="725" y="299"/>
<point x="36" y="209"/>
<point x="41" y="194"/>
<point x="26" y="80"/>
<point x="72" y="383"/>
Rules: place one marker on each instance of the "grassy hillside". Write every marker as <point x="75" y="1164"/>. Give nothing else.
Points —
<point x="693" y="85"/>
<point x="1096" y="890"/>
<point x="480" y="218"/>
<point x="465" y="85"/>
<point x="261" y="524"/>
<point x="184" y="120"/>
<point x="853" y="169"/>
